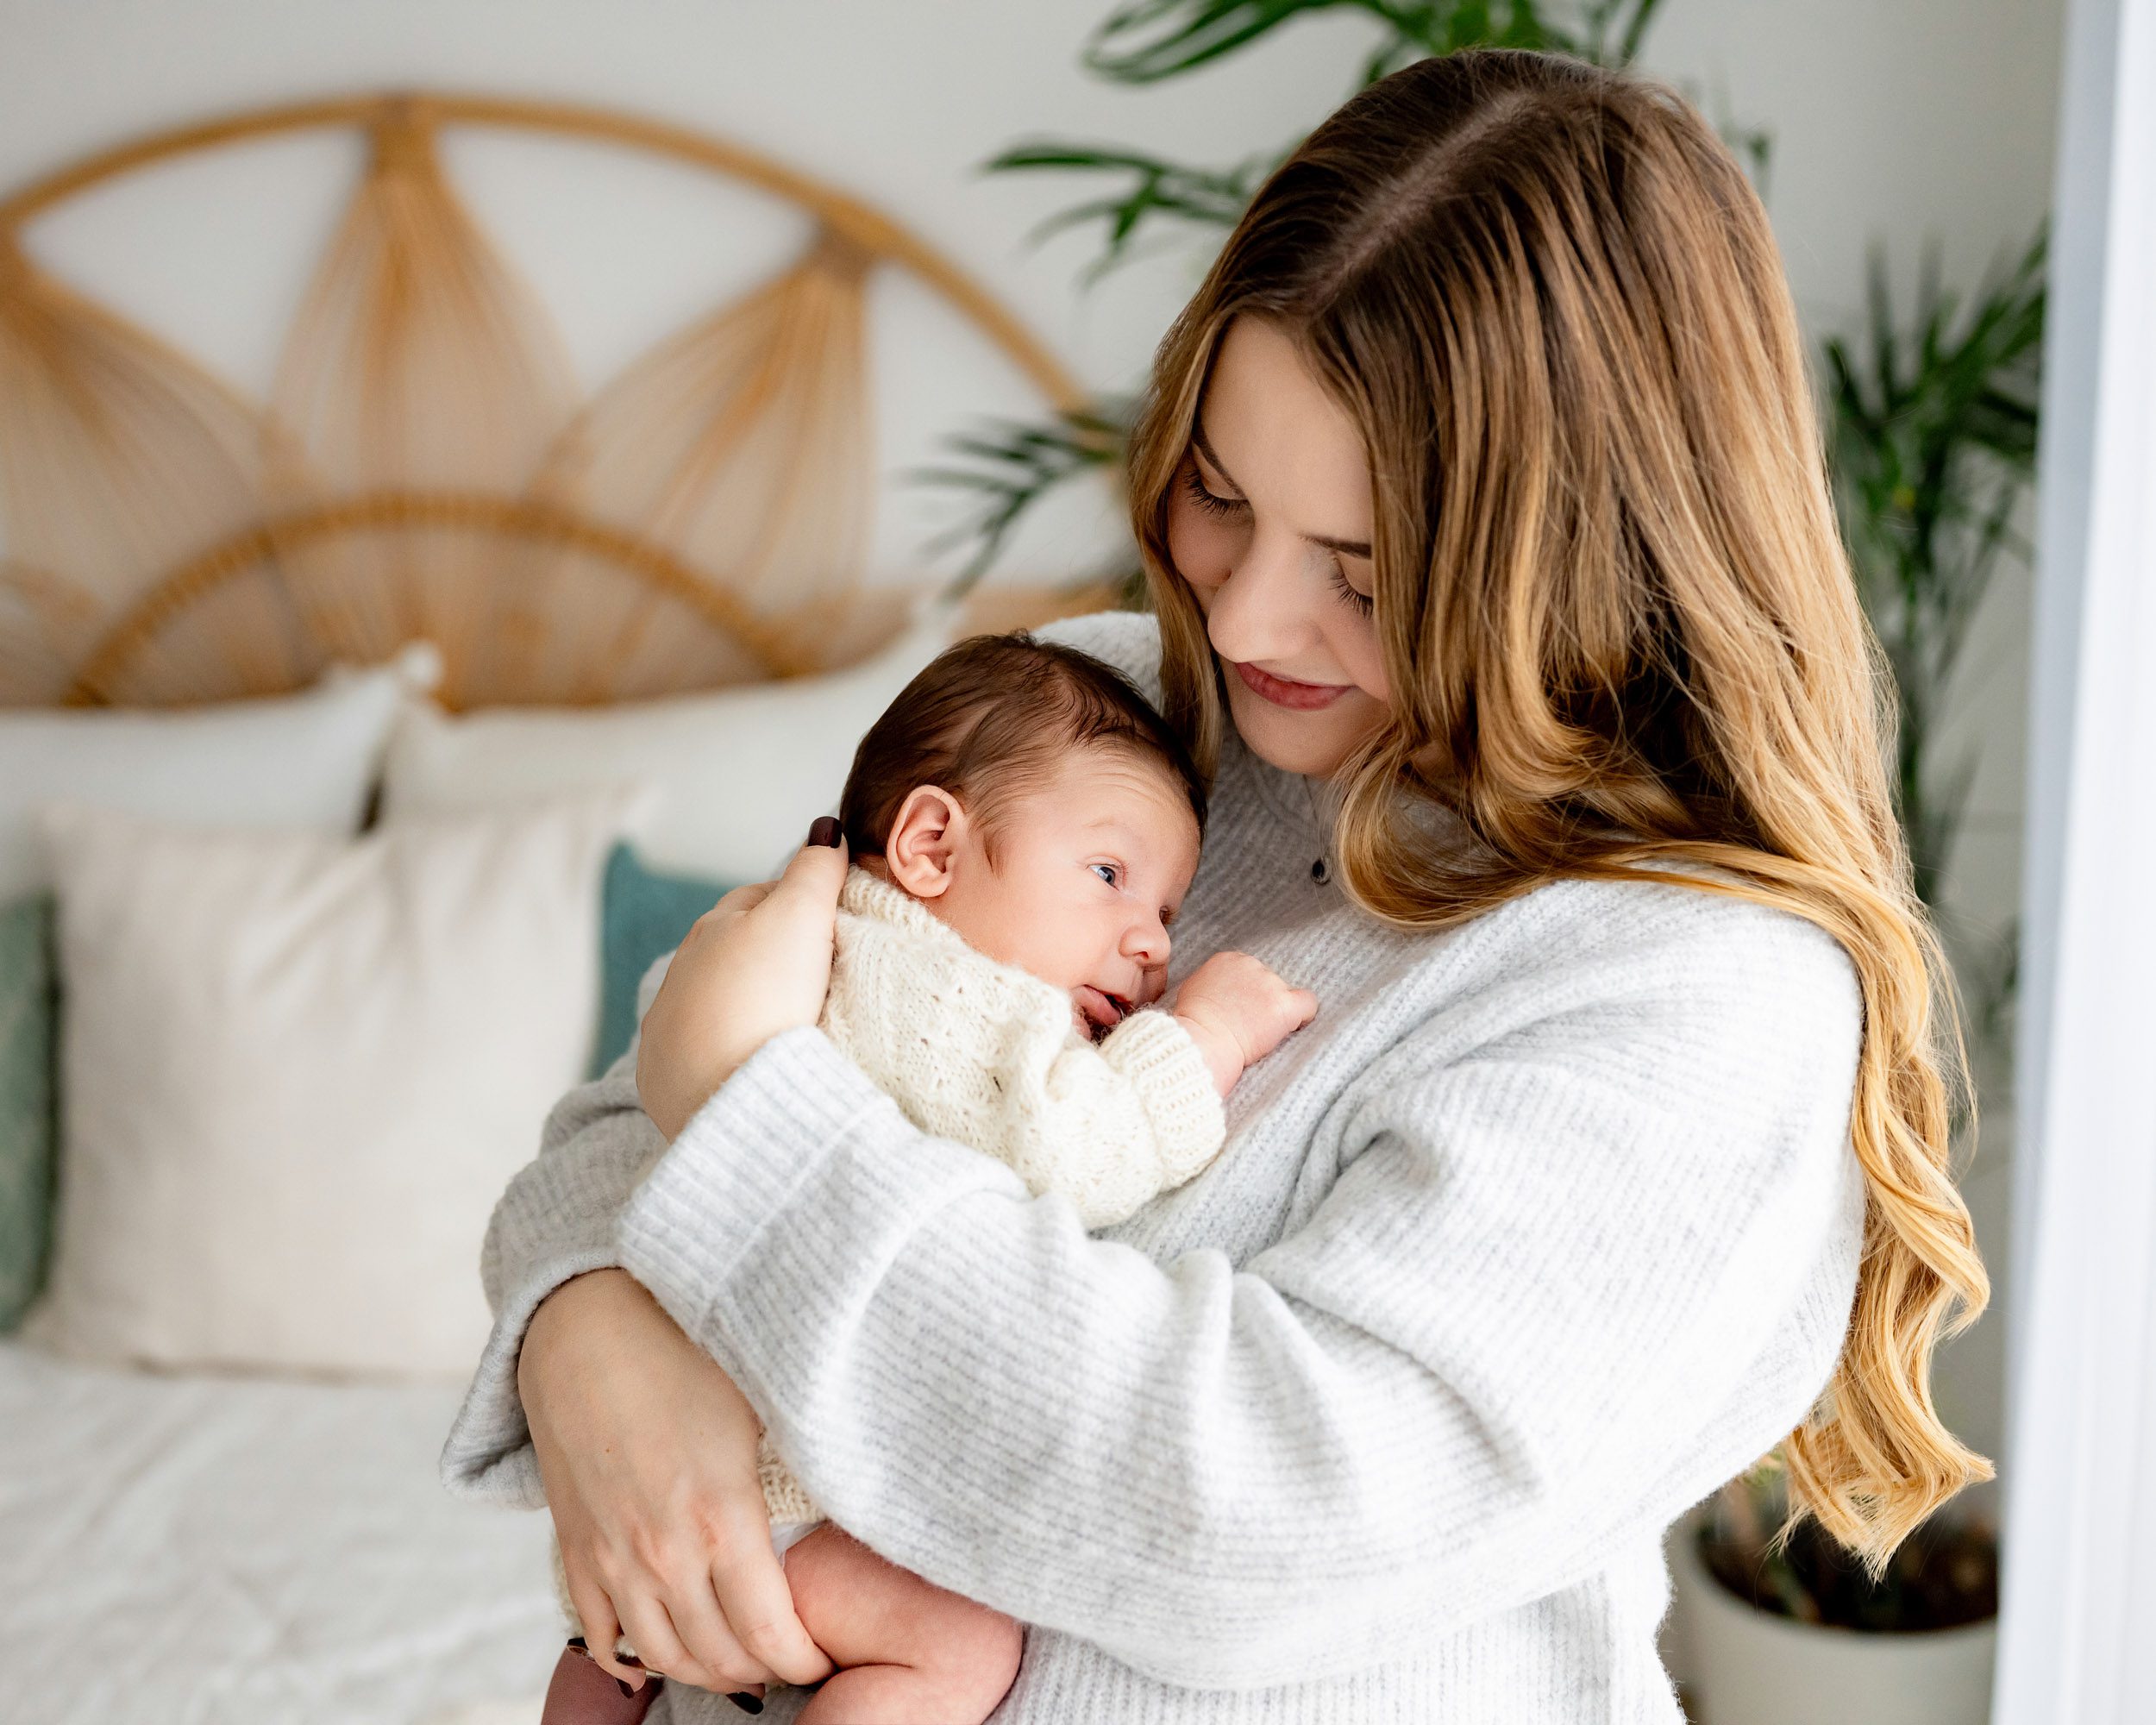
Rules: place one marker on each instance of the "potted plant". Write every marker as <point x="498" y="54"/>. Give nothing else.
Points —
<point x="1932" y="435"/>
<point x="1792" y="1632"/>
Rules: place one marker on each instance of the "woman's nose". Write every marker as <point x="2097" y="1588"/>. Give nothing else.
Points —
<point x="1259" y="611"/>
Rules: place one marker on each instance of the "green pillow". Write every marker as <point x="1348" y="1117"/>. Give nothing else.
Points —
<point x="29" y="1008"/>
<point x="644" y="916"/>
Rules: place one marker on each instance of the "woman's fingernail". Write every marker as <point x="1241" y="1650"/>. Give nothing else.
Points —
<point x="746" y="1702"/>
<point x="823" y="830"/>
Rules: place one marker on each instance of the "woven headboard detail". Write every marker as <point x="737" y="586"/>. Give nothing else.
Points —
<point x="424" y="465"/>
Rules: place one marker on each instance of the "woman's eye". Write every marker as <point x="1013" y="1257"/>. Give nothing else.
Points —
<point x="1107" y="871"/>
<point x="1361" y="601"/>
<point x="1194" y="488"/>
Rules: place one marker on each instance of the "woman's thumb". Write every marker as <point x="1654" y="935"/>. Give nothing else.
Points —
<point x="817" y="869"/>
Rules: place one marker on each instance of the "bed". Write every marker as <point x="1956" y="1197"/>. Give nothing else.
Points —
<point x="207" y="1549"/>
<point x="249" y="1544"/>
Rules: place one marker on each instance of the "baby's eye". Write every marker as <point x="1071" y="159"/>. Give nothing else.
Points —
<point x="1107" y="871"/>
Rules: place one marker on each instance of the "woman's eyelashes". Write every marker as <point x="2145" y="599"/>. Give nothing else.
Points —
<point x="1194" y="487"/>
<point x="1348" y="591"/>
<point x="1213" y="503"/>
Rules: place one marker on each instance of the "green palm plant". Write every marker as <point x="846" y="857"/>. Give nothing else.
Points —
<point x="1932" y="450"/>
<point x="1148" y="42"/>
<point x="1933" y="437"/>
<point x="1007" y="466"/>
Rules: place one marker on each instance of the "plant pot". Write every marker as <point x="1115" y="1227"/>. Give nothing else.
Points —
<point x="1744" y="1666"/>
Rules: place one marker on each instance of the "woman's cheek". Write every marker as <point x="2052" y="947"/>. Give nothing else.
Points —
<point x="1201" y="550"/>
<point x="1363" y="660"/>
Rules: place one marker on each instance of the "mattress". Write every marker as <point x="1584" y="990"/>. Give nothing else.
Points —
<point x="237" y="1551"/>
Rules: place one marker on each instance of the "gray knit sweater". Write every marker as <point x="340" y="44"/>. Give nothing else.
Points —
<point x="1545" y="1226"/>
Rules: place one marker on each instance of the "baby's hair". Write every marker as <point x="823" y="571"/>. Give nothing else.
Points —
<point x="988" y="719"/>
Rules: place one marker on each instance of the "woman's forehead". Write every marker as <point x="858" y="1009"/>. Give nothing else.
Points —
<point x="1275" y="432"/>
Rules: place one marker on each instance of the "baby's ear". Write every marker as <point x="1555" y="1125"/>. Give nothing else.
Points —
<point x="926" y="835"/>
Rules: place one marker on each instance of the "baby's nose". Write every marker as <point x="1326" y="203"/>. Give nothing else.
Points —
<point x="1148" y="942"/>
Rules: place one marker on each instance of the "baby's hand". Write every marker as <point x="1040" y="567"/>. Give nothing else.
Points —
<point x="1239" y="1012"/>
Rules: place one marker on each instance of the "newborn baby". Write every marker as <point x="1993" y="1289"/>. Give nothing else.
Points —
<point x="1024" y="826"/>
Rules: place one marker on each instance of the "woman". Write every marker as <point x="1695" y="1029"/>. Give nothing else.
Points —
<point x="1480" y="498"/>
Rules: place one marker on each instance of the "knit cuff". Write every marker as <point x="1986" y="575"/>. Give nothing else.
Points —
<point x="735" y="1167"/>
<point x="785" y="1498"/>
<point x="487" y="1456"/>
<point x="1161" y="1061"/>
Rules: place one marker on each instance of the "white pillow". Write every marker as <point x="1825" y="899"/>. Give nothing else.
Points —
<point x="294" y="761"/>
<point x="739" y="772"/>
<point x="298" y="1072"/>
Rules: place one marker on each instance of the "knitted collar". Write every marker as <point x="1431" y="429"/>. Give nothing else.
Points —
<point x="864" y="895"/>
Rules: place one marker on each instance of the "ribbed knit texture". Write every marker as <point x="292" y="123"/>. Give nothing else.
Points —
<point x="987" y="1056"/>
<point x="1545" y="1226"/>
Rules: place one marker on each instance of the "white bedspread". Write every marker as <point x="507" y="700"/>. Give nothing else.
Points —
<point x="231" y="1551"/>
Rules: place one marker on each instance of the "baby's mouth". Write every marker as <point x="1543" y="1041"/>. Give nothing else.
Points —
<point x="1102" y="1011"/>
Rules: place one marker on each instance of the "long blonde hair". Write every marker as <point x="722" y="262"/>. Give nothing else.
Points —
<point x="1616" y="616"/>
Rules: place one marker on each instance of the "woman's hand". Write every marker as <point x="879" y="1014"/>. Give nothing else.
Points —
<point x="648" y="1452"/>
<point x="757" y="963"/>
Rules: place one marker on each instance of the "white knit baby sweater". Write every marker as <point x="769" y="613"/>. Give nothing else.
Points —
<point x="1546" y="1226"/>
<point x="987" y="1055"/>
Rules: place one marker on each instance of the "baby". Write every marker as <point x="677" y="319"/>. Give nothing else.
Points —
<point x="1024" y="826"/>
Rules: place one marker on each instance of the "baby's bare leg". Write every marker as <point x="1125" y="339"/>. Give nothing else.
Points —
<point x="910" y="1653"/>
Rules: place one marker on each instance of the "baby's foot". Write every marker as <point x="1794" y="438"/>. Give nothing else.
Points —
<point x="584" y="1693"/>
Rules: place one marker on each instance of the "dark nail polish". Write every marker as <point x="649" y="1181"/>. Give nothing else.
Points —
<point x="577" y="1642"/>
<point x="823" y="830"/>
<point x="746" y="1702"/>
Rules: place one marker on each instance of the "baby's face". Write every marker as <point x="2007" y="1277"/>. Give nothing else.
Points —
<point x="1090" y="868"/>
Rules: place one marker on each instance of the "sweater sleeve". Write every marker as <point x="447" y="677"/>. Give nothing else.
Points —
<point x="1521" y="1331"/>
<point x="556" y="1220"/>
<point x="1113" y="1126"/>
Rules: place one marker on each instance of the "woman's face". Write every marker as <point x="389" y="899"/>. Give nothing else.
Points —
<point x="1269" y="522"/>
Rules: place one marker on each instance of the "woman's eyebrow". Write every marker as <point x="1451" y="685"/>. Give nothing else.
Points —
<point x="1346" y="547"/>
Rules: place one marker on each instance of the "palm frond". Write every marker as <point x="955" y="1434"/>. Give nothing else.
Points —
<point x="1157" y="190"/>
<point x="1934" y="448"/>
<point x="1007" y="466"/>
<point x="1147" y="40"/>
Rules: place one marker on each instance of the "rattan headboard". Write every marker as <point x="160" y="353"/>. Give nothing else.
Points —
<point x="423" y="465"/>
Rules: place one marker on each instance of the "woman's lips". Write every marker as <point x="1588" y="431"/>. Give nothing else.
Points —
<point x="1301" y="697"/>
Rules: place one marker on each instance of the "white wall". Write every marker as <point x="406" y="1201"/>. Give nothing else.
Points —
<point x="1894" y="120"/>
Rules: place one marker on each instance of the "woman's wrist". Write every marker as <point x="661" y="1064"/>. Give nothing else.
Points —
<point x="562" y="1311"/>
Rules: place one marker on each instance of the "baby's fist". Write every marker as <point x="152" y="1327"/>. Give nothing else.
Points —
<point x="1239" y="1012"/>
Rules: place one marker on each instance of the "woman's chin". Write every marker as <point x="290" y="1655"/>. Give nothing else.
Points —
<point x="1311" y="743"/>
